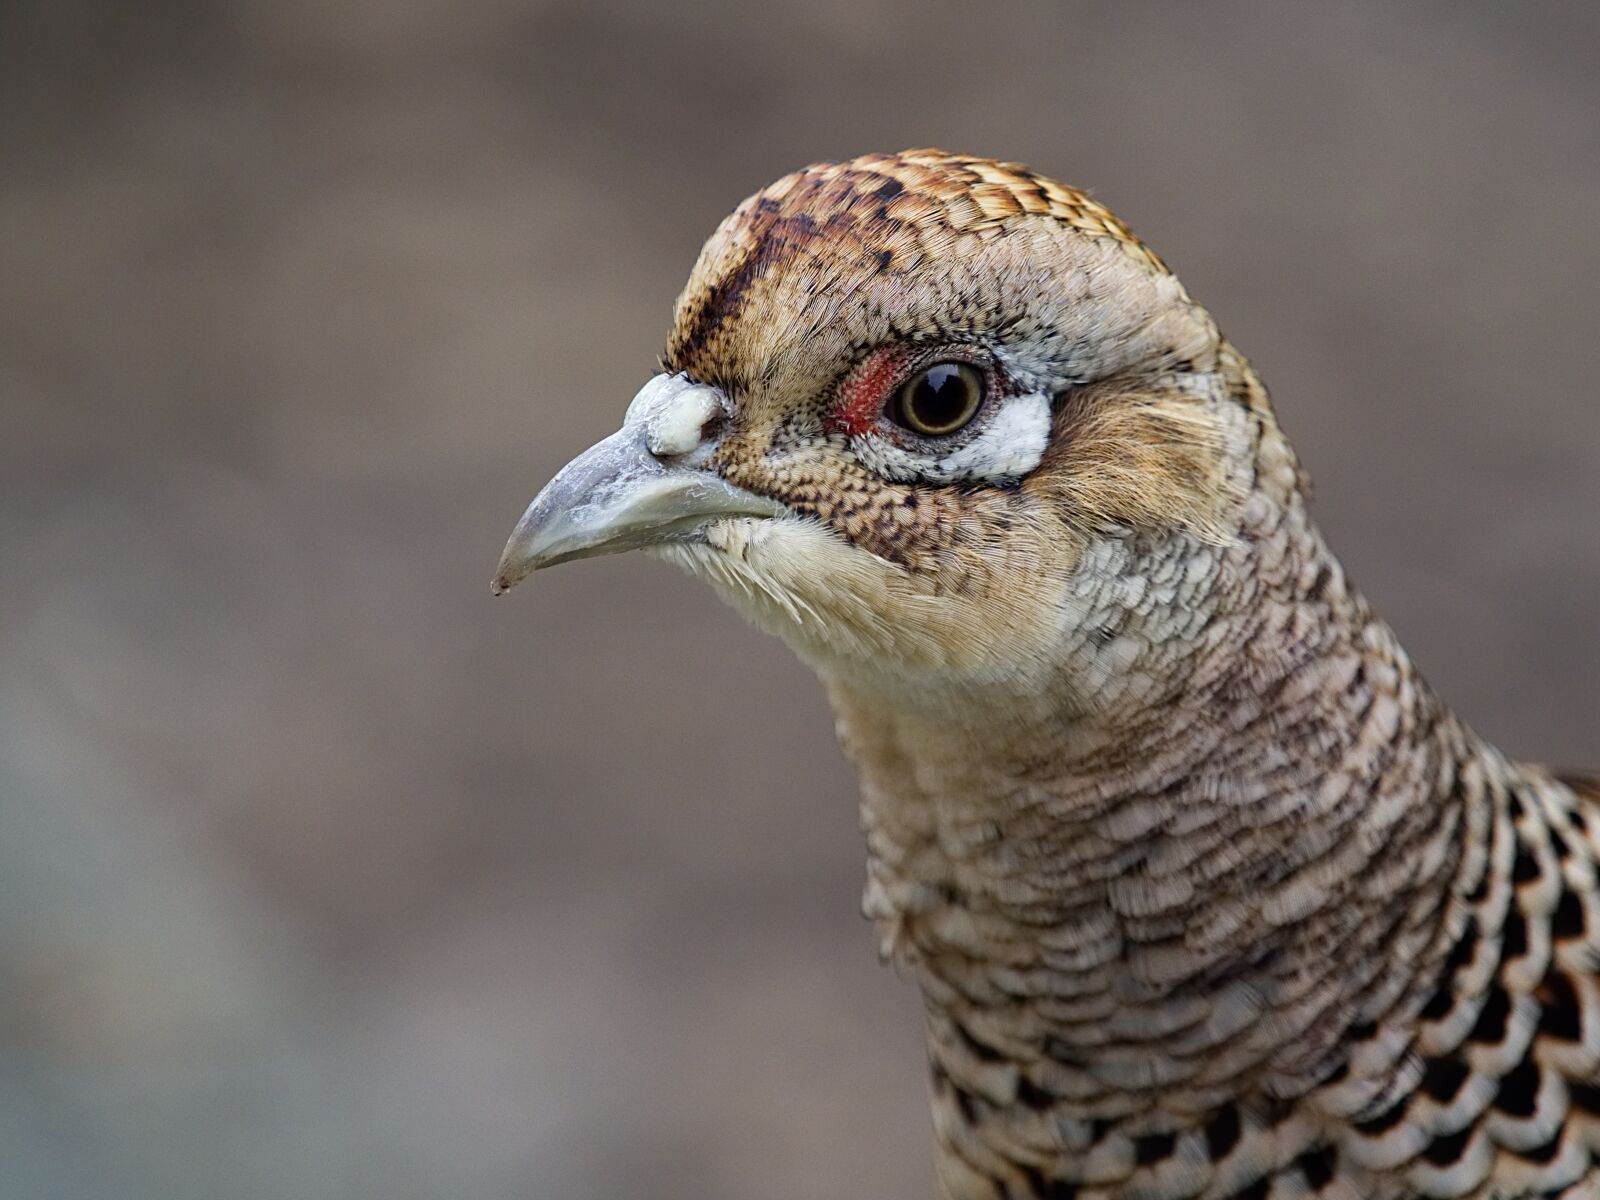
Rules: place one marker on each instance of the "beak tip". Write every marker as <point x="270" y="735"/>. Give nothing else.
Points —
<point x="508" y="575"/>
<point x="506" y="580"/>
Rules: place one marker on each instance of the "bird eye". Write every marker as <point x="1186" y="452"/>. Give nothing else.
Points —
<point x="938" y="400"/>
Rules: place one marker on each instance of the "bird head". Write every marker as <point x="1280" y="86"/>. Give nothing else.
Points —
<point x="933" y="420"/>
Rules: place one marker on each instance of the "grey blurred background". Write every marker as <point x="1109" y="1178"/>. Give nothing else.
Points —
<point x="321" y="873"/>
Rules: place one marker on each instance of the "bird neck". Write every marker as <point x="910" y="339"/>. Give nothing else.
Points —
<point x="1235" y="803"/>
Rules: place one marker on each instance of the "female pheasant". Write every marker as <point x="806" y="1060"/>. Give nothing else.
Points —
<point x="1207" y="893"/>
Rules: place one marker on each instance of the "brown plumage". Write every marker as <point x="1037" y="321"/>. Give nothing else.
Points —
<point x="1207" y="893"/>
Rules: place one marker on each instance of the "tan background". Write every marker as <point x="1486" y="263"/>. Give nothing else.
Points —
<point x="324" y="875"/>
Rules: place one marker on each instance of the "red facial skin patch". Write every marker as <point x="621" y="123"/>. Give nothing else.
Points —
<point x="862" y="394"/>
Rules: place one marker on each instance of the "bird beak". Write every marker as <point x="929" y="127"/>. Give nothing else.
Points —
<point x="648" y="483"/>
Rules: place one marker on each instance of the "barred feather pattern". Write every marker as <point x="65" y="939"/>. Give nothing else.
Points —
<point x="1219" y="899"/>
<point x="1208" y="894"/>
<point x="1296" y="932"/>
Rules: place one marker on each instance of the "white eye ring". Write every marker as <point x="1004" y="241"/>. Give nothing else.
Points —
<point x="1010" y="442"/>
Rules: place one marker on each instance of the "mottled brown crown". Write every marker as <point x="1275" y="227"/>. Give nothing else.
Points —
<point x="876" y="213"/>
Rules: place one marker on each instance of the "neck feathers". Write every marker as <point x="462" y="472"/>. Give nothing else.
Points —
<point x="1231" y="826"/>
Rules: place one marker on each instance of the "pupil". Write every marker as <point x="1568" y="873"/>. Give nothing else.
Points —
<point x="941" y="397"/>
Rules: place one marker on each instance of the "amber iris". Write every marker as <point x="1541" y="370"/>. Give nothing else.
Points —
<point x="938" y="400"/>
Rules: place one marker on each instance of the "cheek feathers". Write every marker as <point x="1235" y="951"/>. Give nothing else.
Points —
<point x="955" y="539"/>
<point x="908" y="526"/>
<point x="1157" y="458"/>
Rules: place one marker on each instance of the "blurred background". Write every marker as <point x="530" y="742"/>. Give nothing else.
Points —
<point x="321" y="873"/>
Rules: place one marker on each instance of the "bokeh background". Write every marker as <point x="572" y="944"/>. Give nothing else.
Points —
<point x="322" y="873"/>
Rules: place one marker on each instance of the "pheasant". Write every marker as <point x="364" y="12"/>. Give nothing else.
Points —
<point x="1207" y="893"/>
